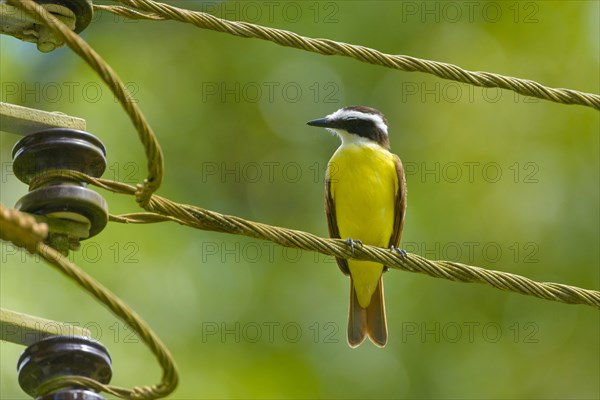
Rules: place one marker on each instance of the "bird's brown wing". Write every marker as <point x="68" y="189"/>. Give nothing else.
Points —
<point x="400" y="206"/>
<point x="332" y="224"/>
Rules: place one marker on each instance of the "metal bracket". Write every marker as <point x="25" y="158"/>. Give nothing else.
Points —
<point x="26" y="329"/>
<point x="24" y="121"/>
<point x="15" y="22"/>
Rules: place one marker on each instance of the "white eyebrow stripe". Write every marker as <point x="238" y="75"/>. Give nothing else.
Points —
<point x="344" y="114"/>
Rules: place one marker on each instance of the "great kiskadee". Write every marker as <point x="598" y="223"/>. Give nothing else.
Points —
<point x="365" y="199"/>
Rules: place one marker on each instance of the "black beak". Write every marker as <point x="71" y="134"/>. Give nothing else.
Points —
<point x="321" y="122"/>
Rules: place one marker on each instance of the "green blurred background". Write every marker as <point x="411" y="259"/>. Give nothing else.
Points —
<point x="495" y="180"/>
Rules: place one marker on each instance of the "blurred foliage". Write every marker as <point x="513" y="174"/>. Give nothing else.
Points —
<point x="495" y="180"/>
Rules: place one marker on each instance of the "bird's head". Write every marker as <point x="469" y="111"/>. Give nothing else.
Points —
<point x="354" y="124"/>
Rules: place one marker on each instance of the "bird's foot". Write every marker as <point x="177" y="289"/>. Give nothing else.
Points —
<point x="351" y="242"/>
<point x="401" y="252"/>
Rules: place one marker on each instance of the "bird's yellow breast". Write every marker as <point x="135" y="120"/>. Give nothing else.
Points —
<point x="364" y="184"/>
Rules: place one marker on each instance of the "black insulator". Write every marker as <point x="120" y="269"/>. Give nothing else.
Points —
<point x="70" y="202"/>
<point x="58" y="148"/>
<point x="72" y="394"/>
<point x="83" y="10"/>
<point x="62" y="197"/>
<point x="58" y="356"/>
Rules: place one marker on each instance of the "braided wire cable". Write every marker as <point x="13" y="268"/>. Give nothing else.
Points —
<point x="22" y="230"/>
<point x="155" y="163"/>
<point x="152" y="10"/>
<point x="163" y="209"/>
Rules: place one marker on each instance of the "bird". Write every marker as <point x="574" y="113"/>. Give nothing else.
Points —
<point x="365" y="203"/>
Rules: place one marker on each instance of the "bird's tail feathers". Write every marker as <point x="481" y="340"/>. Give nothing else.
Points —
<point x="370" y="321"/>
